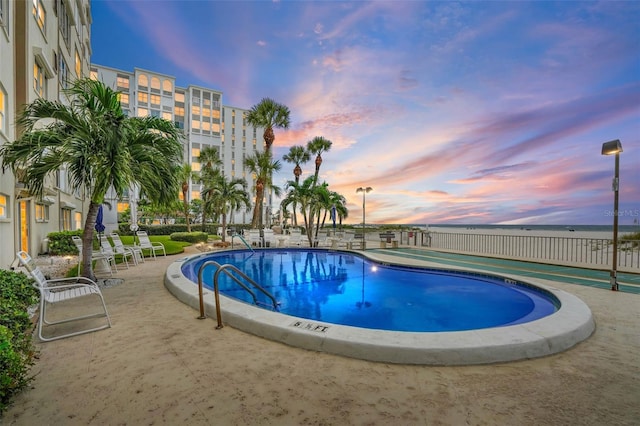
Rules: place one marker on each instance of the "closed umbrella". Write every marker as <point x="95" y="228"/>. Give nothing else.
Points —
<point x="133" y="209"/>
<point x="333" y="218"/>
<point x="99" y="222"/>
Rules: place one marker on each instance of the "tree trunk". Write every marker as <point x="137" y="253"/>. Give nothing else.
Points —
<point x="224" y="225"/>
<point x="87" y="241"/>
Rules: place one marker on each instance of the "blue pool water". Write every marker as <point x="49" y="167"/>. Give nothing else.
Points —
<point x="346" y="288"/>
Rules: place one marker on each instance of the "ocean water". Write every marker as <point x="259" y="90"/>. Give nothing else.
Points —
<point x="577" y="228"/>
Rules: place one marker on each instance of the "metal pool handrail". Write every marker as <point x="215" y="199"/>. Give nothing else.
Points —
<point x="216" y="291"/>
<point x="243" y="240"/>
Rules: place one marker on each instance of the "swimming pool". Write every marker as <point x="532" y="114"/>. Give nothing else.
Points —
<point x="347" y="289"/>
<point x="511" y="339"/>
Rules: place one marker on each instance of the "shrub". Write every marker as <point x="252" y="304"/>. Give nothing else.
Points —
<point x="190" y="237"/>
<point x="60" y="243"/>
<point x="16" y="349"/>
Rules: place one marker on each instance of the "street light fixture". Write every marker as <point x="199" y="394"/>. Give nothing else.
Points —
<point x="364" y="191"/>
<point x="611" y="148"/>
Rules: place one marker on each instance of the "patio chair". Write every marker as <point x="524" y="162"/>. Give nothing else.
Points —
<point x="347" y="240"/>
<point x="61" y="290"/>
<point x="295" y="237"/>
<point x="153" y="247"/>
<point x="119" y="247"/>
<point x="105" y="261"/>
<point x="107" y="248"/>
<point x="254" y="237"/>
<point x="269" y="238"/>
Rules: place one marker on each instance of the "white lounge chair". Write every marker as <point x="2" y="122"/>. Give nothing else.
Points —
<point x="107" y="248"/>
<point x="120" y="248"/>
<point x="61" y="290"/>
<point x="253" y="237"/>
<point x="294" y="237"/>
<point x="105" y="261"/>
<point x="145" y="243"/>
<point x="269" y="238"/>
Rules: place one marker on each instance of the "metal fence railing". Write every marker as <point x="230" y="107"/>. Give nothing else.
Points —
<point x="592" y="252"/>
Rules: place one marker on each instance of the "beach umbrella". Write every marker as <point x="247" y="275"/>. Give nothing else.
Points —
<point x="333" y="218"/>
<point x="99" y="221"/>
<point x="133" y="209"/>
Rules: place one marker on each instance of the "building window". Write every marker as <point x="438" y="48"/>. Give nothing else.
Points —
<point x="77" y="219"/>
<point x="143" y="97"/>
<point x="93" y="74"/>
<point x="155" y="113"/>
<point x="167" y="116"/>
<point x="195" y="166"/>
<point x="65" y="24"/>
<point x="195" y="125"/>
<point x="42" y="213"/>
<point x="179" y="97"/>
<point x="155" y="85"/>
<point x="124" y="98"/>
<point x="122" y="82"/>
<point x="38" y="79"/>
<point x="63" y="73"/>
<point x="39" y="13"/>
<point x="195" y="195"/>
<point x="4" y="207"/>
<point x="167" y="86"/>
<point x="143" y="82"/>
<point x="78" y="64"/>
<point x="66" y="219"/>
<point x="155" y="100"/>
<point x="143" y="112"/>
<point x="179" y="111"/>
<point x="3" y="110"/>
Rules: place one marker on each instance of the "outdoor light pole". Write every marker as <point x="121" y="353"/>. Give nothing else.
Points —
<point x="610" y="148"/>
<point x="364" y="190"/>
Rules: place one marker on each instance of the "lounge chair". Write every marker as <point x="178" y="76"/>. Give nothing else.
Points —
<point x="120" y="248"/>
<point x="145" y="243"/>
<point x="295" y="237"/>
<point x="61" y="290"/>
<point x="269" y="238"/>
<point x="254" y="237"/>
<point x="105" y="261"/>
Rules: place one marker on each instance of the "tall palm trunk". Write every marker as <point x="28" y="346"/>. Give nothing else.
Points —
<point x="87" y="241"/>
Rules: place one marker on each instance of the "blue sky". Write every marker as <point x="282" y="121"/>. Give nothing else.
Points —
<point x="454" y="112"/>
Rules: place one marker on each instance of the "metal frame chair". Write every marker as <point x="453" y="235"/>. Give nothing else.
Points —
<point x="60" y="290"/>
<point x="107" y="259"/>
<point x="146" y="243"/>
<point x="120" y="248"/>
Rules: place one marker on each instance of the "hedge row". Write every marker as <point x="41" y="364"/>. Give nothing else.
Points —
<point x="16" y="349"/>
<point x="210" y="228"/>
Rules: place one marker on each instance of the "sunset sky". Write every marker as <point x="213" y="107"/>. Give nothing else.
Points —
<point x="460" y="113"/>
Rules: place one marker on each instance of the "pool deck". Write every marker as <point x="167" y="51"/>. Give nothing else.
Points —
<point x="158" y="364"/>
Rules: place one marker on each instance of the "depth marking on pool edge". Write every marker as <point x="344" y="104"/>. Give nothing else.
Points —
<point x="310" y="326"/>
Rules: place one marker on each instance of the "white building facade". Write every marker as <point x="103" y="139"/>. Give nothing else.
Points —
<point x="200" y="114"/>
<point x="44" y="44"/>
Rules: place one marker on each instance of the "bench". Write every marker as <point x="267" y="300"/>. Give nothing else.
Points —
<point x="388" y="238"/>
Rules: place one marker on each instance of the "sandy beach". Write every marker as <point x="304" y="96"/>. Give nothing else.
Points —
<point x="158" y="364"/>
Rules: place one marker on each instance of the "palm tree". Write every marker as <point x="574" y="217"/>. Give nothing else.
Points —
<point x="269" y="114"/>
<point x="301" y="194"/>
<point x="185" y="176"/>
<point x="230" y="194"/>
<point x="210" y="163"/>
<point x="262" y="166"/>
<point x="100" y="147"/>
<point x="297" y="155"/>
<point x="317" y="146"/>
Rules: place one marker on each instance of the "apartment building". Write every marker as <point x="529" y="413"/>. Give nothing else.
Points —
<point x="200" y="114"/>
<point x="44" y="44"/>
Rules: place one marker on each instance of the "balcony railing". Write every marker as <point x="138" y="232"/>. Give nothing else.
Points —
<point x="584" y="252"/>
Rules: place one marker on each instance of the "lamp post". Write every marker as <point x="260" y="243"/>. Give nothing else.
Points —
<point x="364" y="190"/>
<point x="610" y="148"/>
